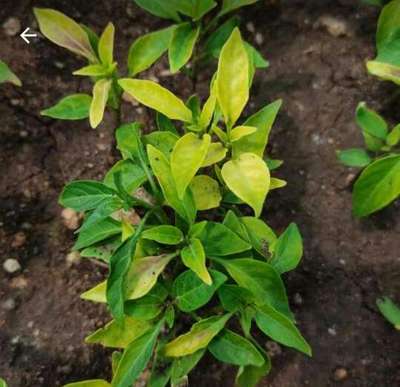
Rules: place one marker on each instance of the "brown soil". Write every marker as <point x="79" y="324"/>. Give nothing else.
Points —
<point x="347" y="263"/>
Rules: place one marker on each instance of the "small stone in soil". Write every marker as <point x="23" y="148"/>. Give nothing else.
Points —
<point x="12" y="26"/>
<point x="340" y="374"/>
<point x="273" y="348"/>
<point x="11" y="265"/>
<point x="70" y="218"/>
<point x="19" y="240"/>
<point x="298" y="299"/>
<point x="19" y="282"/>
<point x="334" y="26"/>
<point x="9" y="304"/>
<point x="73" y="258"/>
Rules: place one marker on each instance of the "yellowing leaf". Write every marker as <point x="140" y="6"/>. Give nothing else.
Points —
<point x="216" y="152"/>
<point x="249" y="179"/>
<point x="106" y="45"/>
<point x="101" y="91"/>
<point x="194" y="257"/>
<point x="277" y="183"/>
<point x="143" y="274"/>
<point x="241" y="131"/>
<point x="118" y="335"/>
<point x="233" y="78"/>
<point x="208" y="108"/>
<point x="153" y="95"/>
<point x="97" y="293"/>
<point x="96" y="70"/>
<point x="385" y="71"/>
<point x="65" y="32"/>
<point x="89" y="383"/>
<point x="187" y="157"/>
<point x="198" y="337"/>
<point x="206" y="192"/>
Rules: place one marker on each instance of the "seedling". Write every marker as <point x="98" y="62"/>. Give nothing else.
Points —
<point x="7" y="76"/>
<point x="193" y="33"/>
<point x="379" y="183"/>
<point x="386" y="65"/>
<point x="186" y="266"/>
<point x="389" y="310"/>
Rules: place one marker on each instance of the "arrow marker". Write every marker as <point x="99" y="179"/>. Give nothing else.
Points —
<point x="25" y="35"/>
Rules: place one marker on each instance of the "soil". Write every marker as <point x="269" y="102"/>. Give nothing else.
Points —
<point x="347" y="263"/>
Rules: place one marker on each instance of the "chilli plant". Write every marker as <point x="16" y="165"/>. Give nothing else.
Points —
<point x="190" y="269"/>
<point x="379" y="182"/>
<point x="386" y="65"/>
<point x="102" y="69"/>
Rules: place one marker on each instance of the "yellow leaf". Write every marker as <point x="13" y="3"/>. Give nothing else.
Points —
<point x="249" y="179"/>
<point x="65" y="32"/>
<point x="143" y="274"/>
<point x="153" y="95"/>
<point x="89" y="383"/>
<point x="194" y="257"/>
<point x="101" y="91"/>
<point x="241" y="131"/>
<point x="233" y="78"/>
<point x="198" y="337"/>
<point x="206" y="192"/>
<point x="97" y="293"/>
<point x="106" y="45"/>
<point x="216" y="152"/>
<point x="277" y="183"/>
<point x="208" y="108"/>
<point x="187" y="157"/>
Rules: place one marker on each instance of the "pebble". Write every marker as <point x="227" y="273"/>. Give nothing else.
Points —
<point x="332" y="331"/>
<point x="73" y="258"/>
<point x="259" y="38"/>
<point x="9" y="304"/>
<point x="298" y="299"/>
<point x="335" y="27"/>
<point x="340" y="374"/>
<point x="11" y="265"/>
<point x="19" y="240"/>
<point x="19" y="282"/>
<point x="70" y="218"/>
<point x="250" y="27"/>
<point x="12" y="26"/>
<point x="273" y="348"/>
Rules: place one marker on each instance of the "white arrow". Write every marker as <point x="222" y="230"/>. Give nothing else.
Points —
<point x="25" y="35"/>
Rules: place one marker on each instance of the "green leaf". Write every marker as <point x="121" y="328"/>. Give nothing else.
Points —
<point x="3" y="383"/>
<point x="218" y="38"/>
<point x="393" y="137"/>
<point x="354" y="157"/>
<point x="186" y="208"/>
<point x="195" y="9"/>
<point x="377" y="186"/>
<point x="85" y="195"/>
<point x="280" y="328"/>
<point x="128" y="141"/>
<point x="389" y="310"/>
<point x="145" y="50"/>
<point x="192" y="293"/>
<point x="143" y="274"/>
<point x="163" y="141"/>
<point x="241" y="131"/>
<point x="187" y="157"/>
<point x="135" y="358"/>
<point x="153" y="95"/>
<point x="374" y="127"/>
<point x="181" y="366"/>
<point x="250" y="376"/>
<point x="261" y="279"/>
<point x="230" y="5"/>
<point x="6" y="75"/>
<point x="149" y="306"/>
<point x="219" y="240"/>
<point x="103" y="251"/>
<point x="159" y="8"/>
<point x="388" y="23"/>
<point x="118" y="335"/>
<point x="260" y="235"/>
<point x="232" y="221"/>
<point x="257" y="141"/>
<point x="164" y="124"/>
<point x="197" y="338"/>
<point x="216" y="153"/>
<point x="65" y="32"/>
<point x="233" y="297"/>
<point x="288" y="250"/>
<point x="106" y="45"/>
<point x="89" y="383"/>
<point x="181" y="46"/>
<point x="101" y="92"/>
<point x="206" y="192"/>
<point x="233" y="78"/>
<point x="132" y="176"/>
<point x="249" y="179"/>
<point x="73" y="107"/>
<point x="229" y="347"/>
<point x="194" y="257"/>
<point x="164" y="234"/>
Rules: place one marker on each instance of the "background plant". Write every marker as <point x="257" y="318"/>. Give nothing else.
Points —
<point x="7" y="76"/>
<point x="389" y="310"/>
<point x="170" y="264"/>
<point x="379" y="182"/>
